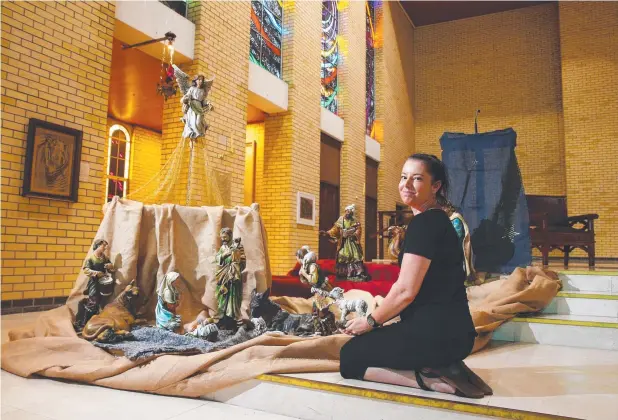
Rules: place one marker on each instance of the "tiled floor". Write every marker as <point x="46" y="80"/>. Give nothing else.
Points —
<point x="47" y="399"/>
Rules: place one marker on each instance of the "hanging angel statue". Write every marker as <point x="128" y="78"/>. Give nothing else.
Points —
<point x="195" y="104"/>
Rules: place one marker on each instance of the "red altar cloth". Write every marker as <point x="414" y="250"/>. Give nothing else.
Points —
<point x="382" y="278"/>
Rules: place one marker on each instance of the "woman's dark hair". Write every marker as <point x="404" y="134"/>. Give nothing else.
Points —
<point x="437" y="170"/>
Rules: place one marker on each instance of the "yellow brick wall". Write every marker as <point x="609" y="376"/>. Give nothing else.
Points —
<point x="56" y="59"/>
<point x="291" y="161"/>
<point x="508" y="65"/>
<point x="221" y="50"/>
<point x="352" y="100"/>
<point x="145" y="158"/>
<point x="395" y="93"/>
<point x="589" y="49"/>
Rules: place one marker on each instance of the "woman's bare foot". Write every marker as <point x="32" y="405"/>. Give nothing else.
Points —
<point x="436" y="384"/>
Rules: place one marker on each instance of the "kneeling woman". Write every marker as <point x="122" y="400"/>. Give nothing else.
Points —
<point x="426" y="349"/>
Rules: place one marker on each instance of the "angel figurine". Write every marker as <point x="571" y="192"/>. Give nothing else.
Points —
<point x="194" y="101"/>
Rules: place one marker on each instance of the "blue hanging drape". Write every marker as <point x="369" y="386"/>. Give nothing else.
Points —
<point x="486" y="187"/>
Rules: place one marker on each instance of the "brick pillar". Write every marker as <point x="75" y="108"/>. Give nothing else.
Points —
<point x="352" y="74"/>
<point x="221" y="50"/>
<point x="290" y="160"/>
<point x="395" y="91"/>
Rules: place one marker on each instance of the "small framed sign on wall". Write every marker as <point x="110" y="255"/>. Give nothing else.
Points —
<point x="53" y="154"/>
<point x="305" y="209"/>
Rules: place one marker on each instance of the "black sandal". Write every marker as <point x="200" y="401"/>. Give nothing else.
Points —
<point x="476" y="380"/>
<point x="456" y="377"/>
<point x="420" y="382"/>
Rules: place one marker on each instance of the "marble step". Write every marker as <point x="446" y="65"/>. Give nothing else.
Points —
<point x="320" y="396"/>
<point x="602" y="282"/>
<point x="594" y="332"/>
<point x="529" y="382"/>
<point x="583" y="303"/>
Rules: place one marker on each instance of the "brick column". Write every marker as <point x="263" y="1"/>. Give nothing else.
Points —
<point x="290" y="160"/>
<point x="352" y="74"/>
<point x="221" y="50"/>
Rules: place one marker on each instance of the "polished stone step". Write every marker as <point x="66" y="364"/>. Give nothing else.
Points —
<point x="595" y="332"/>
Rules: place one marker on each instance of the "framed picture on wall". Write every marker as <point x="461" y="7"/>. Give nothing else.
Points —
<point x="53" y="154"/>
<point x="305" y="209"/>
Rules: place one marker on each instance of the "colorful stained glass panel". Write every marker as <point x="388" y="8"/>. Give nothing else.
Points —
<point x="266" y="34"/>
<point x="330" y="55"/>
<point x="370" y="110"/>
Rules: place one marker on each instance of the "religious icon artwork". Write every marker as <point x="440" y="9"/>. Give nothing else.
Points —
<point x="231" y="261"/>
<point x="99" y="269"/>
<point x="53" y="154"/>
<point x="195" y="103"/>
<point x="347" y="234"/>
<point x="168" y="300"/>
<point x="305" y="209"/>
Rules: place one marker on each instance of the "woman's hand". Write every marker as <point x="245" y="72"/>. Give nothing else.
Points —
<point x="357" y="326"/>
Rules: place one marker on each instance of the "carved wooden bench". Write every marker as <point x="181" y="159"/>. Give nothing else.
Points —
<point x="552" y="228"/>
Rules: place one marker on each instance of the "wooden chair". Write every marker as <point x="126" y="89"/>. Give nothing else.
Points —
<point x="552" y="228"/>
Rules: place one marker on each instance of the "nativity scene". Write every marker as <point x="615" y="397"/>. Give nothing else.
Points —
<point x="278" y="244"/>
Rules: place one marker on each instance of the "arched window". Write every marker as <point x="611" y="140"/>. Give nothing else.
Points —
<point x="117" y="173"/>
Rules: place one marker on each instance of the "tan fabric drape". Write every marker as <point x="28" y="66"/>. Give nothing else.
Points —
<point x="148" y="241"/>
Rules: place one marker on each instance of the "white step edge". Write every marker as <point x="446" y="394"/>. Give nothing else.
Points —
<point x="312" y="400"/>
<point x="562" y="330"/>
<point x="580" y="303"/>
<point x="599" y="282"/>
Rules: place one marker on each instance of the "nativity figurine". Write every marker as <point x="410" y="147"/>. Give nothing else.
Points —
<point x="99" y="269"/>
<point x="231" y="262"/>
<point x="323" y="319"/>
<point x="310" y="272"/>
<point x="115" y="321"/>
<point x="278" y="319"/>
<point x="347" y="234"/>
<point x="168" y="300"/>
<point x="206" y="330"/>
<point x="463" y="234"/>
<point x="195" y="103"/>
<point x="346" y="306"/>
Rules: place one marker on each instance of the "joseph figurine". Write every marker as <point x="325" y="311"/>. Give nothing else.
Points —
<point x="347" y="233"/>
<point x="231" y="261"/>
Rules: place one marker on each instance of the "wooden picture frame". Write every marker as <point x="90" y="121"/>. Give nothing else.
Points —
<point x="305" y="209"/>
<point x="53" y="157"/>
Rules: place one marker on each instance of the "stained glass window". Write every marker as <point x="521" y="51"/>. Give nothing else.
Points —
<point x="266" y="34"/>
<point x="330" y="55"/>
<point x="117" y="162"/>
<point x="370" y="107"/>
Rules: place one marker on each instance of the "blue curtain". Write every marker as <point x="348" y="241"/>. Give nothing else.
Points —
<point x="486" y="187"/>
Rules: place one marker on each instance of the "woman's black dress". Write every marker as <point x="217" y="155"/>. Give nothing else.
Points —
<point x="436" y="328"/>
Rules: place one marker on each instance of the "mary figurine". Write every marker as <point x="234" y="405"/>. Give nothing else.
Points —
<point x="168" y="299"/>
